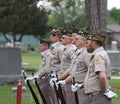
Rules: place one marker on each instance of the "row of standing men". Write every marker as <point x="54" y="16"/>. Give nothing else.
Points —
<point x="77" y="57"/>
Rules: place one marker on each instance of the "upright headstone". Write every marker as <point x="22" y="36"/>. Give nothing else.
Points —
<point x="17" y="44"/>
<point x="114" y="45"/>
<point x="10" y="65"/>
<point x="115" y="58"/>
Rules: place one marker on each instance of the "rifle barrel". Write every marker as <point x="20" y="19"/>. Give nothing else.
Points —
<point x="75" y="93"/>
<point x="31" y="90"/>
<point x="61" y="93"/>
<point x="39" y="90"/>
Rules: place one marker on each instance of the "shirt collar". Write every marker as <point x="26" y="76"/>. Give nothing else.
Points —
<point x="98" y="50"/>
<point x="44" y="53"/>
<point x="55" y="44"/>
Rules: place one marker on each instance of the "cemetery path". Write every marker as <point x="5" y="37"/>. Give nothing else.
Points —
<point x="115" y="77"/>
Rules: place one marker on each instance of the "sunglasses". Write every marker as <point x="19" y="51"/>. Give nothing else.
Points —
<point x="54" y="35"/>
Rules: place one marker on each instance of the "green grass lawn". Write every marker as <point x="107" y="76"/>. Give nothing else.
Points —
<point x="115" y="83"/>
<point x="7" y="96"/>
<point x="33" y="60"/>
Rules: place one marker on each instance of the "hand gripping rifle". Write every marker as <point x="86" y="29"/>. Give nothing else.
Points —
<point x="75" y="93"/>
<point x="61" y="96"/>
<point x="39" y="90"/>
<point x="55" y="87"/>
<point x="31" y="90"/>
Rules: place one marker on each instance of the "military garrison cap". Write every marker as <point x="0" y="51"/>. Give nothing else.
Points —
<point x="56" y="31"/>
<point x="69" y="33"/>
<point x="89" y="37"/>
<point x="66" y="33"/>
<point x="98" y="38"/>
<point x="63" y="32"/>
<point x="82" y="33"/>
<point x="45" y="41"/>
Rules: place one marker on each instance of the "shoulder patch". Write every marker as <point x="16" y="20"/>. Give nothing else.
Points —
<point x="97" y="59"/>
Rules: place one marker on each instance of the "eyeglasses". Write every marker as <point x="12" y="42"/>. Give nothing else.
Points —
<point x="54" y="35"/>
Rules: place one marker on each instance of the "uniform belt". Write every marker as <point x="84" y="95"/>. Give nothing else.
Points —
<point x="43" y="77"/>
<point x="93" y="93"/>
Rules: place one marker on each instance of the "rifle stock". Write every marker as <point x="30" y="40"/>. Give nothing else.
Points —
<point x="75" y="93"/>
<point x="31" y="90"/>
<point x="39" y="90"/>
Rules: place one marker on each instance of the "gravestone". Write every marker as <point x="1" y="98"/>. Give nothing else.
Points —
<point x="114" y="45"/>
<point x="10" y="65"/>
<point x="115" y="58"/>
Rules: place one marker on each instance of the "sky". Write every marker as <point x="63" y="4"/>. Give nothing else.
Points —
<point x="113" y="3"/>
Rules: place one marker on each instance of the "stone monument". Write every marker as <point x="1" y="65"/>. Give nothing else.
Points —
<point x="10" y="65"/>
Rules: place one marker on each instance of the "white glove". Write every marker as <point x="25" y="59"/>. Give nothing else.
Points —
<point x="36" y="76"/>
<point x="53" y="75"/>
<point x="76" y="87"/>
<point x="52" y="81"/>
<point x="29" y="78"/>
<point x="61" y="82"/>
<point x="110" y="94"/>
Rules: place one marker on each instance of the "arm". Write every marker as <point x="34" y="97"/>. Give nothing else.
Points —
<point x="102" y="78"/>
<point x="64" y="75"/>
<point x="68" y="79"/>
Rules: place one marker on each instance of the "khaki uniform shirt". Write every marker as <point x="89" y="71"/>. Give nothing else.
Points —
<point x="43" y="64"/>
<point x="55" y="57"/>
<point x="100" y="62"/>
<point x="79" y="65"/>
<point x="67" y="57"/>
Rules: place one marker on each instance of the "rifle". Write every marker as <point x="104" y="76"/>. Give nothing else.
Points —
<point x="75" y="93"/>
<point x="61" y="93"/>
<point x="39" y="90"/>
<point x="56" y="92"/>
<point x="31" y="90"/>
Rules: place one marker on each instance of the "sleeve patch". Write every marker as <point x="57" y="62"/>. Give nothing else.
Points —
<point x="97" y="60"/>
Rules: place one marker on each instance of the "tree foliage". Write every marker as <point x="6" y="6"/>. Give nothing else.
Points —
<point x="67" y="13"/>
<point x="22" y="17"/>
<point x="115" y="15"/>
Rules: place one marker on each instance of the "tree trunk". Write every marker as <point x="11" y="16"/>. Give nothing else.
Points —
<point x="96" y="11"/>
<point x="20" y="38"/>
<point x="6" y="38"/>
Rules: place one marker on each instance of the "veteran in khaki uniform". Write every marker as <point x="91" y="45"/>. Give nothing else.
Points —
<point x="45" y="52"/>
<point x="69" y="50"/>
<point x="65" y="63"/>
<point x="99" y="72"/>
<point x="41" y="75"/>
<point x="55" y="57"/>
<point x="44" y="81"/>
<point x="56" y="51"/>
<point x="79" y="66"/>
